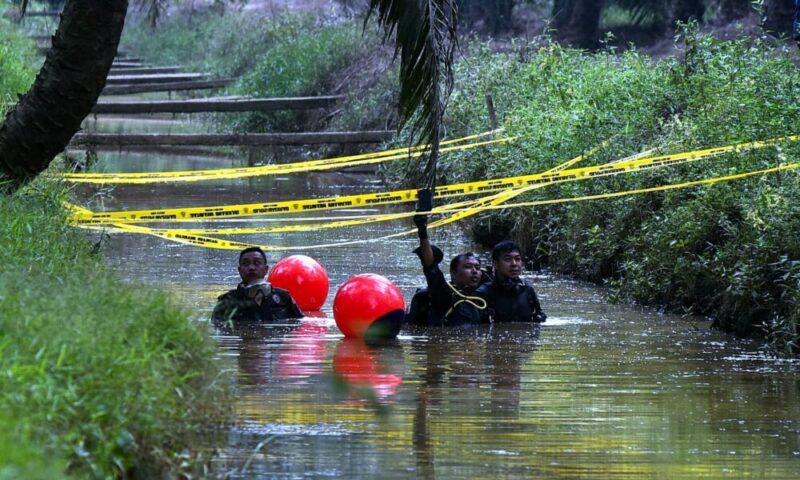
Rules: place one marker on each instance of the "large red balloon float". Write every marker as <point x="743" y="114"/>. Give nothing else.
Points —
<point x="369" y="306"/>
<point x="304" y="278"/>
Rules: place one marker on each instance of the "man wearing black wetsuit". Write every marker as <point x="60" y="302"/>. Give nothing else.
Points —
<point x="254" y="300"/>
<point x="509" y="298"/>
<point x="445" y="303"/>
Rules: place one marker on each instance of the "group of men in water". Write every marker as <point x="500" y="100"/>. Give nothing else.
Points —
<point x="471" y="297"/>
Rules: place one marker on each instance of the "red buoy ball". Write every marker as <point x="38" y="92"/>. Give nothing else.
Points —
<point x="369" y="306"/>
<point x="304" y="278"/>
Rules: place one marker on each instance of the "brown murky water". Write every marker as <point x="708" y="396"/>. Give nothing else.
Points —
<point x="599" y="391"/>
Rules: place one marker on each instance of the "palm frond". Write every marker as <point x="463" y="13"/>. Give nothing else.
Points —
<point x="425" y="41"/>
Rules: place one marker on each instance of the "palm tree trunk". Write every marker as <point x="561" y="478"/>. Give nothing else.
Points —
<point x="778" y="16"/>
<point x="734" y="9"/>
<point x="577" y="22"/>
<point x="685" y="10"/>
<point x="74" y="73"/>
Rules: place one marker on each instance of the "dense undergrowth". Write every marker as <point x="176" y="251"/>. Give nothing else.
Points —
<point x="98" y="378"/>
<point x="730" y="251"/>
<point x="282" y="55"/>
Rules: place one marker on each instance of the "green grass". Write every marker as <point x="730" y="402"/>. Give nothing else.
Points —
<point x="106" y="377"/>
<point x="98" y="378"/>
<point x="17" y="56"/>
<point x="730" y="251"/>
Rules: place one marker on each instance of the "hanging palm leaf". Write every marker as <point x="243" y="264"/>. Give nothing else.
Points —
<point x="425" y="42"/>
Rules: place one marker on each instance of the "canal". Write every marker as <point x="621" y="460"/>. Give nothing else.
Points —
<point x="598" y="391"/>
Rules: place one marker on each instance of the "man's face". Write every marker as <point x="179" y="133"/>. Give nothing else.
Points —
<point x="509" y="265"/>
<point x="467" y="273"/>
<point x="252" y="267"/>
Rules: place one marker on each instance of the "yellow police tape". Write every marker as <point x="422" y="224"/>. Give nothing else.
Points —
<point x="279" y="169"/>
<point x="181" y="236"/>
<point x="190" y="214"/>
<point x="460" y="207"/>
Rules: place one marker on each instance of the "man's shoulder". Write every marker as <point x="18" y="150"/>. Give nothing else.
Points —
<point x="283" y="295"/>
<point x="485" y="287"/>
<point x="230" y="294"/>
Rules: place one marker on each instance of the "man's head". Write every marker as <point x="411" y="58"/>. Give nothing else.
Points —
<point x="465" y="270"/>
<point x="507" y="260"/>
<point x="252" y="265"/>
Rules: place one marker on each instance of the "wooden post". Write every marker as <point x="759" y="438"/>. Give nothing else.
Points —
<point x="492" y="115"/>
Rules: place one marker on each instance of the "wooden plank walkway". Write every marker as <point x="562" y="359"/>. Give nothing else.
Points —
<point x="221" y="140"/>
<point x="204" y="105"/>
<point x="119" y="64"/>
<point x="144" y="70"/>
<point x="154" y="78"/>
<point x="166" y="87"/>
<point x="42" y="13"/>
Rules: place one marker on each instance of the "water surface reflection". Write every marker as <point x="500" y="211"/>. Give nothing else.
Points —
<point x="599" y="391"/>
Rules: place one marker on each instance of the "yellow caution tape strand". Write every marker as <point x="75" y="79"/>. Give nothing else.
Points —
<point x="209" y="242"/>
<point x="189" y="214"/>
<point x="194" y="237"/>
<point x="360" y="220"/>
<point x="279" y="169"/>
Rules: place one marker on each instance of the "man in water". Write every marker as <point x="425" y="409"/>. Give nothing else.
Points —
<point x="445" y="303"/>
<point x="254" y="300"/>
<point x="509" y="298"/>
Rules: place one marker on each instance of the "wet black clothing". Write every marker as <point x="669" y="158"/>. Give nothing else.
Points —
<point x="257" y="303"/>
<point x="510" y="301"/>
<point x="441" y="304"/>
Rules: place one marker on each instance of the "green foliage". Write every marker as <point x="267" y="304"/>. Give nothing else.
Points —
<point x="729" y="251"/>
<point x="224" y="45"/>
<point x="16" y="63"/>
<point x="108" y="379"/>
<point x="298" y="65"/>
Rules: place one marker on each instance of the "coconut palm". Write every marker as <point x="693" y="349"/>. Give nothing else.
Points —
<point x="74" y="73"/>
<point x="425" y="32"/>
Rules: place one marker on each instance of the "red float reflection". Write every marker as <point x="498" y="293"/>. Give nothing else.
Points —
<point x="364" y="367"/>
<point x="303" y="349"/>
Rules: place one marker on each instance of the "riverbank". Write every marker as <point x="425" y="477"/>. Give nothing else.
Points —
<point x="728" y="251"/>
<point x="100" y="377"/>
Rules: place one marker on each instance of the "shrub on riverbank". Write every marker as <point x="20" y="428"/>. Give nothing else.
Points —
<point x="101" y="377"/>
<point x="728" y="251"/>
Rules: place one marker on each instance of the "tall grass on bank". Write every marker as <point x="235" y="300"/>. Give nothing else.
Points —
<point x="729" y="251"/>
<point x="17" y="62"/>
<point x="106" y="378"/>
